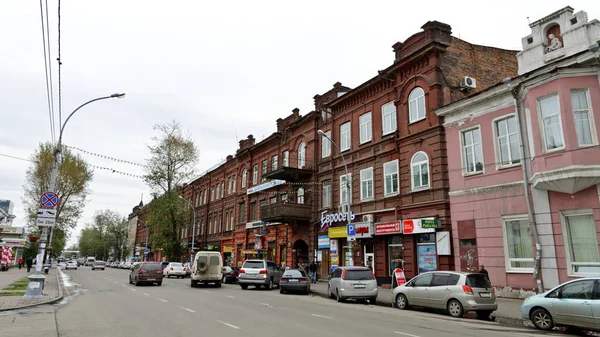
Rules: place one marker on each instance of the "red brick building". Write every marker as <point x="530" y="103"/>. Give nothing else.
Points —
<point x="395" y="150"/>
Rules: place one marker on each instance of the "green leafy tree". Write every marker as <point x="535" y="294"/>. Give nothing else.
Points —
<point x="173" y="159"/>
<point x="106" y="236"/>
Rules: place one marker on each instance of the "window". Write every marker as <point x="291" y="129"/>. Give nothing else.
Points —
<point x="274" y="163"/>
<point x="212" y="193"/>
<point x="416" y="105"/>
<point x="222" y="188"/>
<point x="581" y="243"/>
<point x="255" y="175"/>
<point x="301" y="155"/>
<point x="419" y="171"/>
<point x="345" y="136"/>
<point x="205" y="196"/>
<point x="366" y="131"/>
<point x="440" y="280"/>
<point x="262" y="202"/>
<point x="581" y="112"/>
<point x="518" y="246"/>
<point x="264" y="170"/>
<point x="388" y="118"/>
<point x="551" y="124"/>
<point x="390" y="176"/>
<point x="231" y="221"/>
<point x="366" y="183"/>
<point x="252" y="209"/>
<point x="229" y="185"/>
<point x="244" y="178"/>
<point x="284" y="197"/>
<point x="300" y="198"/>
<point x="218" y="190"/>
<point x="472" y="151"/>
<point x="286" y="159"/>
<point x="234" y="180"/>
<point x="326" y="145"/>
<point x="197" y="198"/>
<point x="242" y="212"/>
<point x="424" y="281"/>
<point x="508" y="141"/>
<point x="344" y="189"/>
<point x="580" y="290"/>
<point x="326" y="193"/>
<point x="273" y="200"/>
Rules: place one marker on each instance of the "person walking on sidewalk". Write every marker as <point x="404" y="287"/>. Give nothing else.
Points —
<point x="485" y="272"/>
<point x="29" y="263"/>
<point x="20" y="262"/>
<point x="313" y="271"/>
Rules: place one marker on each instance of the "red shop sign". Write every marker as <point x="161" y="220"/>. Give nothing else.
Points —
<point x="392" y="227"/>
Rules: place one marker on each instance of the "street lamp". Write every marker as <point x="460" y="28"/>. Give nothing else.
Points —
<point x="348" y="193"/>
<point x="193" y="226"/>
<point x="34" y="292"/>
<point x="146" y="248"/>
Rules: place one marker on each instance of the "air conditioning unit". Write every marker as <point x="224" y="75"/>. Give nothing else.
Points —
<point x="468" y="83"/>
<point x="343" y="208"/>
<point x="367" y="218"/>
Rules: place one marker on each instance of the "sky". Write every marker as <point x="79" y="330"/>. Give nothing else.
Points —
<point x="223" y="69"/>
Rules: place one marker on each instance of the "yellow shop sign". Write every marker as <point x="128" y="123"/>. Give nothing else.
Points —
<point x="337" y="232"/>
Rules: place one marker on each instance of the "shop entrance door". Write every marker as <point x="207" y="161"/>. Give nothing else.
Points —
<point x="369" y="256"/>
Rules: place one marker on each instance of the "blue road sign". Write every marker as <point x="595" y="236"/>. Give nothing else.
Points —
<point x="351" y="230"/>
<point x="49" y="199"/>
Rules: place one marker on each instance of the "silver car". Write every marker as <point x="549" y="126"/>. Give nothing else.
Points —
<point x="352" y="283"/>
<point x="259" y="273"/>
<point x="457" y="292"/>
<point x="574" y="304"/>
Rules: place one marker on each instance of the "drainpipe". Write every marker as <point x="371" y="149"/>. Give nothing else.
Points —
<point x="521" y="126"/>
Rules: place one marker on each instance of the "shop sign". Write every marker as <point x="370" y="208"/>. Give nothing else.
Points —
<point x="319" y="256"/>
<point x="256" y="224"/>
<point x="227" y="249"/>
<point x="426" y="258"/>
<point x="430" y="223"/>
<point x="443" y="243"/>
<point x="18" y="243"/>
<point x="337" y="232"/>
<point x="333" y="248"/>
<point x="335" y="259"/>
<point x="360" y="230"/>
<point x="323" y="242"/>
<point x="400" y="277"/>
<point x="391" y="227"/>
<point x="329" y="219"/>
<point x="250" y="251"/>
<point x="414" y="226"/>
<point x="265" y="186"/>
<point x="212" y="247"/>
<point x="12" y="230"/>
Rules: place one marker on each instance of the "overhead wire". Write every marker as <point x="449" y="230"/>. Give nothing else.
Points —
<point x="59" y="74"/>
<point x="49" y="91"/>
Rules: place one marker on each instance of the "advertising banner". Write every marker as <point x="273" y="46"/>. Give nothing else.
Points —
<point x="323" y="242"/>
<point x="337" y="232"/>
<point x="426" y="257"/>
<point x="415" y="226"/>
<point x="392" y="227"/>
<point x="333" y="247"/>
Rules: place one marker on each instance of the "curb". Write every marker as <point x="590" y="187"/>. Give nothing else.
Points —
<point x="50" y="301"/>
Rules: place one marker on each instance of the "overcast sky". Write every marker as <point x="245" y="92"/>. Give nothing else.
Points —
<point x="224" y="69"/>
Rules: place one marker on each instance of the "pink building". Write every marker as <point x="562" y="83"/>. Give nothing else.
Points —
<point x="524" y="162"/>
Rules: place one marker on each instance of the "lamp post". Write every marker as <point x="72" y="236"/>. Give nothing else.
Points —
<point x="193" y="226"/>
<point x="145" y="248"/>
<point x="348" y="193"/>
<point x="34" y="290"/>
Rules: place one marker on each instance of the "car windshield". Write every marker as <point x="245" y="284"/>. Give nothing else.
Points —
<point x="358" y="275"/>
<point x="478" y="281"/>
<point x="151" y="266"/>
<point x="254" y="264"/>
<point x="294" y="273"/>
<point x="176" y="265"/>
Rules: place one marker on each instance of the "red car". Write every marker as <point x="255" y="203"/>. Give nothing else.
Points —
<point x="146" y="272"/>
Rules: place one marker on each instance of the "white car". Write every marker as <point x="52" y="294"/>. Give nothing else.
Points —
<point x="71" y="265"/>
<point x="174" y="269"/>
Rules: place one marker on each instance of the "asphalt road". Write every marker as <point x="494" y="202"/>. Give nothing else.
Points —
<point x="109" y="306"/>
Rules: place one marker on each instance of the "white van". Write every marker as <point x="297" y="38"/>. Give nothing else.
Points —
<point x="207" y="268"/>
<point x="90" y="261"/>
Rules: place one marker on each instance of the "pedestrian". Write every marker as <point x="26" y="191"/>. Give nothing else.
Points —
<point x="313" y="270"/>
<point x="29" y="263"/>
<point x="485" y="272"/>
<point x="20" y="262"/>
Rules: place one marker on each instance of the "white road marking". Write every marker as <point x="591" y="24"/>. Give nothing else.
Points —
<point x="267" y="305"/>
<point x="146" y="294"/>
<point x="123" y="285"/>
<point x="109" y="280"/>
<point x="321" y="316"/>
<point x="132" y="289"/>
<point x="116" y="282"/>
<point x="163" y="300"/>
<point x="229" y="325"/>
<point x="206" y="291"/>
<point x="184" y="308"/>
<point x="231" y="296"/>
<point x="405" y="334"/>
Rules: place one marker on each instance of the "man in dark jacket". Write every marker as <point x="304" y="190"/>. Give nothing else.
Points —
<point x="29" y="263"/>
<point x="485" y="272"/>
<point x="313" y="271"/>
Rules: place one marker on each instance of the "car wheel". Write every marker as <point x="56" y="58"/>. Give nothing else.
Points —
<point x="402" y="302"/>
<point x="159" y="283"/>
<point x="270" y="285"/>
<point x="193" y="284"/>
<point x="281" y="291"/>
<point x="224" y="280"/>
<point x="542" y="319"/>
<point x="329" y="294"/>
<point x="373" y="300"/>
<point x="218" y="284"/>
<point x="244" y="286"/>
<point x="483" y="314"/>
<point x="455" y="309"/>
<point x="338" y="297"/>
<point x="136" y="282"/>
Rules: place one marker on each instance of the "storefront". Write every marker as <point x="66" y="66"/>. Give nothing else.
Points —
<point x="340" y="253"/>
<point x="228" y="255"/>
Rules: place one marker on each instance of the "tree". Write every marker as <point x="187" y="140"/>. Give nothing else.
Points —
<point x="106" y="236"/>
<point x="72" y="188"/>
<point x="173" y="158"/>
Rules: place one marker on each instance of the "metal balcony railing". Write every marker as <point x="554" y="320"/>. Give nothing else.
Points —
<point x="284" y="211"/>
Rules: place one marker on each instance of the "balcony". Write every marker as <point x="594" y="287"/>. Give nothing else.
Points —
<point x="285" y="211"/>
<point x="292" y="171"/>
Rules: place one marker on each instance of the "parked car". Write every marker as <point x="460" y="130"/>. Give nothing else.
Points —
<point x="574" y="304"/>
<point x="99" y="265"/>
<point x="295" y="280"/>
<point x="457" y="292"/>
<point x="259" y="273"/>
<point x="90" y="261"/>
<point x="207" y="268"/>
<point x="146" y="272"/>
<point x="71" y="265"/>
<point x="62" y="264"/>
<point x="188" y="269"/>
<point x="80" y="261"/>
<point x="352" y="283"/>
<point x="230" y="274"/>
<point x="174" y="269"/>
<point x="127" y="265"/>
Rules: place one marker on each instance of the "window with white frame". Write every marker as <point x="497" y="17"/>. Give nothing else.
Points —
<point x="366" y="184"/>
<point x="264" y="170"/>
<point x="232" y="214"/>
<point x="273" y="200"/>
<point x="205" y="196"/>
<point x="366" y="130"/>
<point x="274" y="163"/>
<point x="344" y="189"/>
<point x="419" y="170"/>
<point x="388" y="118"/>
<point x="326" y="202"/>
<point x="197" y="198"/>
<point x="416" y="105"/>
<point x="229" y="185"/>
<point x="218" y="190"/>
<point x="285" y="161"/>
<point x="518" y="245"/>
<point x="301" y="155"/>
<point x="390" y="177"/>
<point x="581" y="242"/>
<point x="234" y="184"/>
<point x="472" y="151"/>
<point x="212" y="193"/>
<point x="300" y="195"/>
<point x="508" y="141"/>
<point x="222" y="188"/>
<point x="581" y="112"/>
<point x="551" y="124"/>
<point x="244" y="178"/>
<point x="345" y="136"/>
<point x="255" y="175"/>
<point x="326" y="145"/>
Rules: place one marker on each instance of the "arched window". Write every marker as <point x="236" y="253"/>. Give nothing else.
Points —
<point x="419" y="171"/>
<point x="300" y="198"/>
<point x="244" y="178"/>
<point x="301" y="155"/>
<point x="416" y="105"/>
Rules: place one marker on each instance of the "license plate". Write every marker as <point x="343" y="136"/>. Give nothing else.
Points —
<point x="485" y="295"/>
<point x="360" y="286"/>
<point x="151" y="279"/>
<point x="252" y="275"/>
<point x="293" y="280"/>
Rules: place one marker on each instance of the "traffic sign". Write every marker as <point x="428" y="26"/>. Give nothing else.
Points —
<point x="45" y="222"/>
<point x="351" y="230"/>
<point x="46" y="213"/>
<point x="49" y="199"/>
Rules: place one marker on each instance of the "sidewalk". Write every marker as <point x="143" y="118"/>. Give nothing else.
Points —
<point x="52" y="289"/>
<point x="508" y="309"/>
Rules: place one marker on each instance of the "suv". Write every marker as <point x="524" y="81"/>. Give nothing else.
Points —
<point x="352" y="283"/>
<point x="149" y="272"/>
<point x="259" y="273"/>
<point x="207" y="268"/>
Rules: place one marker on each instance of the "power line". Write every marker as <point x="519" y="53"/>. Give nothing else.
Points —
<point x="104" y="156"/>
<point x="48" y="84"/>
<point x="19" y="158"/>
<point x="50" y="67"/>
<point x="59" y="74"/>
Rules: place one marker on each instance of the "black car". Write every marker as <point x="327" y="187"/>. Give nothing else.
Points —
<point x="230" y="274"/>
<point x="295" y="280"/>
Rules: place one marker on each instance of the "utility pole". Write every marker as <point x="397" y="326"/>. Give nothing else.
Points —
<point x="193" y="227"/>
